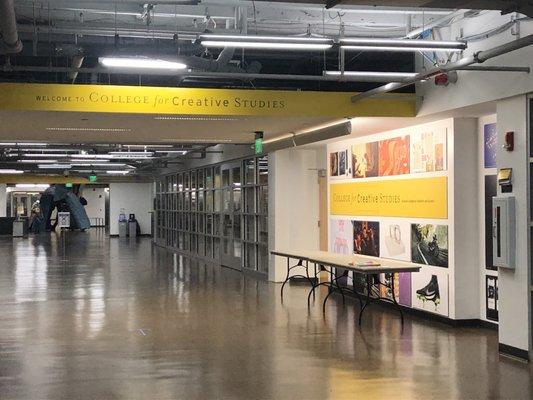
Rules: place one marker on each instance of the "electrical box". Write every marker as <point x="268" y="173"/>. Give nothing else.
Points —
<point x="503" y="231"/>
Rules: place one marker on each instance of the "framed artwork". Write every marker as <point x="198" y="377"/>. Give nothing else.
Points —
<point x="365" y="160"/>
<point x="429" y="245"/>
<point x="428" y="151"/>
<point x="333" y="164"/>
<point x="430" y="290"/>
<point x="490" y="139"/>
<point x="491" y="293"/>
<point x="366" y="238"/>
<point x="394" y="156"/>
<point x="490" y="192"/>
<point x="341" y="236"/>
<point x="395" y="240"/>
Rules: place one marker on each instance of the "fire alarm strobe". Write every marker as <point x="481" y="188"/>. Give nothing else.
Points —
<point x="445" y="79"/>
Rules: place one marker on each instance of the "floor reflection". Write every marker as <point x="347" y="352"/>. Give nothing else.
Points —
<point x="122" y="319"/>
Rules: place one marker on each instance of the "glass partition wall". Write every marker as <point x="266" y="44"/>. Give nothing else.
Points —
<point x="218" y="212"/>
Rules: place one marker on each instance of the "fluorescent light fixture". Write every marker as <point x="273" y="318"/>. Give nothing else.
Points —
<point x="48" y="150"/>
<point x="54" y="166"/>
<point x="47" y="155"/>
<point x="83" y="129"/>
<point x="31" y="144"/>
<point x="183" y="152"/>
<point x="140" y="63"/>
<point x="369" y="74"/>
<point x="406" y="45"/>
<point x="32" y="185"/>
<point x="132" y="153"/>
<point x="10" y="171"/>
<point x="96" y="164"/>
<point x="118" y="172"/>
<point x="267" y="45"/>
<point x="37" y="161"/>
<point x="7" y="144"/>
<point x="266" y="42"/>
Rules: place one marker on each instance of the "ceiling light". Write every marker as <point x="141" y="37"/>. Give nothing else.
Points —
<point x="140" y="63"/>
<point x="7" y="144"/>
<point x="132" y="153"/>
<point x="407" y="45"/>
<point x="75" y="160"/>
<point x="118" y="172"/>
<point x="183" y="152"/>
<point x="31" y="144"/>
<point x="83" y="129"/>
<point x="37" y="155"/>
<point x="96" y="164"/>
<point x="172" y="118"/>
<point x="37" y="161"/>
<point x="266" y="42"/>
<point x="54" y="166"/>
<point x="11" y="171"/>
<point x="32" y="185"/>
<point x="369" y="74"/>
<point x="267" y="45"/>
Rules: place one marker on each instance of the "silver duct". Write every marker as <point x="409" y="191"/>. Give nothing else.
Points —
<point x="477" y="58"/>
<point x="10" y="42"/>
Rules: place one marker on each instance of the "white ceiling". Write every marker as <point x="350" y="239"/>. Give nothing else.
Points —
<point x="75" y="127"/>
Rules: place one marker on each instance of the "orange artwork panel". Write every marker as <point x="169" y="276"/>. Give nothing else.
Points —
<point x="394" y="156"/>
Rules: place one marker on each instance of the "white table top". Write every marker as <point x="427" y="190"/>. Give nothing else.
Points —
<point x="352" y="262"/>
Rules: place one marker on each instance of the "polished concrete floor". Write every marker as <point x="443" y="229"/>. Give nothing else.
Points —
<point x="118" y="319"/>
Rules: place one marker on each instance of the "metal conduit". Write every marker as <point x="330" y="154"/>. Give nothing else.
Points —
<point x="476" y="58"/>
<point x="10" y="42"/>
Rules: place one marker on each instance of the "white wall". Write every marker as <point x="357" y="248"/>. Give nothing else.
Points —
<point x="95" y="207"/>
<point x="134" y="198"/>
<point x="293" y="205"/>
<point x="3" y="199"/>
<point x="480" y="87"/>
<point x="514" y="288"/>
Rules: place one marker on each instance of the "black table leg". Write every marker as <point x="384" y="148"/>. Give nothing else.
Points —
<point x="287" y="277"/>
<point x="394" y="299"/>
<point x="368" y="298"/>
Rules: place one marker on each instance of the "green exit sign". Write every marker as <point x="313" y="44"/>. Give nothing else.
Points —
<point x="68" y="185"/>
<point x="258" y="146"/>
<point x="92" y="178"/>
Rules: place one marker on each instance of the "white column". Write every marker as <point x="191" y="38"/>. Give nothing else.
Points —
<point x="514" y="286"/>
<point x="3" y="199"/>
<point x="293" y="205"/>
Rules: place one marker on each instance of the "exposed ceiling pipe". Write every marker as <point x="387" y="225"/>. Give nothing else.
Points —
<point x="476" y="58"/>
<point x="10" y="42"/>
<point x="77" y="61"/>
<point x="242" y="76"/>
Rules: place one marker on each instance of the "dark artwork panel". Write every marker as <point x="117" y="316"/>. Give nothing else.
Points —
<point x="429" y="245"/>
<point x="492" y="298"/>
<point x="366" y="238"/>
<point x="490" y="192"/>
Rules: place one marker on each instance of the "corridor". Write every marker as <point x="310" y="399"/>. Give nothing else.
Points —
<point x="120" y="319"/>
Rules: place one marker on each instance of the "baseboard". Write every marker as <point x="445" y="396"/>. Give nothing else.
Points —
<point x="456" y="323"/>
<point x="141" y="235"/>
<point x="301" y="280"/>
<point x="513" y="352"/>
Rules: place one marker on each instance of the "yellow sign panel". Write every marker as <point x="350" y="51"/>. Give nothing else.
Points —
<point x="415" y="198"/>
<point x="192" y="101"/>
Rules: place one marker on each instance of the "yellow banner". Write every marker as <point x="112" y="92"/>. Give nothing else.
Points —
<point x="192" y="101"/>
<point x="416" y="198"/>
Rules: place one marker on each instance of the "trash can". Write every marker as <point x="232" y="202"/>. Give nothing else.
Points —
<point x="20" y="228"/>
<point x="123" y="228"/>
<point x="132" y="228"/>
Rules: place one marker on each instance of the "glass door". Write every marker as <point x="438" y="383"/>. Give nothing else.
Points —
<point x="231" y="215"/>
